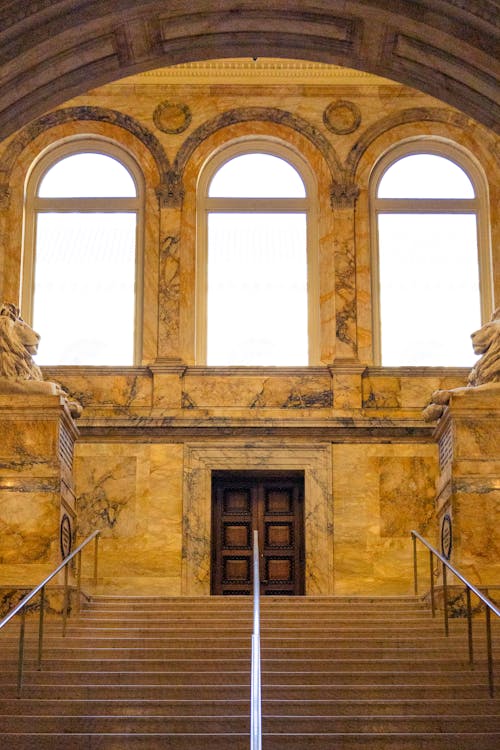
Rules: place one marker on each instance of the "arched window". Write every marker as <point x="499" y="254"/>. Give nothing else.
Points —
<point x="431" y="271"/>
<point x="83" y="206"/>
<point x="256" y="262"/>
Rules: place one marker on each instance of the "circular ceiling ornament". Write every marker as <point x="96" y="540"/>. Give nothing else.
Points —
<point x="172" y="118"/>
<point x="342" y="117"/>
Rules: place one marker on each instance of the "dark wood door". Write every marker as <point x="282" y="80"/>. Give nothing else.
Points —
<point x="272" y="503"/>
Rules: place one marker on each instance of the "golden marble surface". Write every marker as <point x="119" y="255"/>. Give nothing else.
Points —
<point x="133" y="494"/>
<point x="469" y="485"/>
<point x="380" y="493"/>
<point x="36" y="437"/>
<point x="139" y="477"/>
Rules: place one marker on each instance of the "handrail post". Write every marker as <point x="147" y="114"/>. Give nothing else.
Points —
<point x="21" y="653"/>
<point x="78" y="580"/>
<point x="489" y="605"/>
<point x="21" y="607"/>
<point x="40" y="627"/>
<point x="431" y="573"/>
<point x="490" y="653"/>
<point x="255" y="700"/>
<point x="96" y="557"/>
<point x="415" y="570"/>
<point x="65" y="600"/>
<point x="469" y="626"/>
<point x="445" y="601"/>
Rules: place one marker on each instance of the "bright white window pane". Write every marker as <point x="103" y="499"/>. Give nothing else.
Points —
<point x="429" y="289"/>
<point x="257" y="176"/>
<point x="87" y="175"/>
<point x="257" y="289"/>
<point x="84" y="288"/>
<point x="425" y="176"/>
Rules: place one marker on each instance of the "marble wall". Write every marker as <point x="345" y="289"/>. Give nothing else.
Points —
<point x="133" y="494"/>
<point x="151" y="434"/>
<point x="380" y="494"/>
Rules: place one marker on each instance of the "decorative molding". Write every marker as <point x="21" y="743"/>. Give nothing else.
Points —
<point x="343" y="194"/>
<point x="414" y="114"/>
<point x="260" y="70"/>
<point x="314" y="459"/>
<point x="83" y="114"/>
<point x="4" y="196"/>
<point x="342" y="117"/>
<point x="170" y="192"/>
<point x="172" y="118"/>
<point x="262" y="114"/>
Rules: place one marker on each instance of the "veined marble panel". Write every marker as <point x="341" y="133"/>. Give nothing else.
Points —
<point x="106" y="390"/>
<point x="257" y="392"/>
<point x="381" y="493"/>
<point x="133" y="494"/>
<point x="201" y="460"/>
<point x="407" y="387"/>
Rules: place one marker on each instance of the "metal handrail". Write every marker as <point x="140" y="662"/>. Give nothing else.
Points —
<point x="469" y="588"/>
<point x="255" y="699"/>
<point x="21" y="607"/>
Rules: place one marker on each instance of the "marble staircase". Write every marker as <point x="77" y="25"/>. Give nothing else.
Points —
<point x="337" y="673"/>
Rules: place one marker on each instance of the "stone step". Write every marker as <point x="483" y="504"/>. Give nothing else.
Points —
<point x="228" y="724"/>
<point x="138" y="649"/>
<point x="270" y="706"/>
<point x="142" y="672"/>
<point x="245" y="600"/>
<point x="123" y="662"/>
<point x="240" y="646"/>
<point x="207" y="741"/>
<point x="477" y="689"/>
<point x="269" y="677"/>
<point x="286" y="621"/>
<point x="319" y="632"/>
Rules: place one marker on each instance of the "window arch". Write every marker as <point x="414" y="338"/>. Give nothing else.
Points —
<point x="431" y="267"/>
<point x="82" y="259"/>
<point x="257" y="258"/>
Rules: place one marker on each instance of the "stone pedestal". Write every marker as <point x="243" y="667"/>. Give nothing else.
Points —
<point x="468" y="492"/>
<point x="37" y="501"/>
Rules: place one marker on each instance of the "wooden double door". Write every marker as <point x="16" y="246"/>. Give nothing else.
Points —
<point x="272" y="503"/>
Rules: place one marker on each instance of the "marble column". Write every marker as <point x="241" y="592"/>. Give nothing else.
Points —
<point x="468" y="490"/>
<point x="343" y="200"/>
<point x="36" y="486"/>
<point x="169" y="287"/>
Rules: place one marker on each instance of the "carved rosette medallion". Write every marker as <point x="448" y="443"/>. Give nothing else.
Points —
<point x="342" y="117"/>
<point x="172" y="118"/>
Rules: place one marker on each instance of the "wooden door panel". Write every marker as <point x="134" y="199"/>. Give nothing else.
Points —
<point x="278" y="535"/>
<point x="236" y="535"/>
<point x="278" y="501"/>
<point x="237" y="500"/>
<point x="272" y="504"/>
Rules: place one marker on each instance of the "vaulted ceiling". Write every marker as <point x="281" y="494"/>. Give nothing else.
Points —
<point x="51" y="50"/>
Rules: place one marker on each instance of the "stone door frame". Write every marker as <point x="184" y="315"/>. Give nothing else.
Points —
<point x="315" y="460"/>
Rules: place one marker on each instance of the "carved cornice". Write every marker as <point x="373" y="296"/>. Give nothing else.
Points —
<point x="262" y="70"/>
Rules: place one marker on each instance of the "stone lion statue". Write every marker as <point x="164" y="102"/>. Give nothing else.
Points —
<point x="18" y="371"/>
<point x="485" y="341"/>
